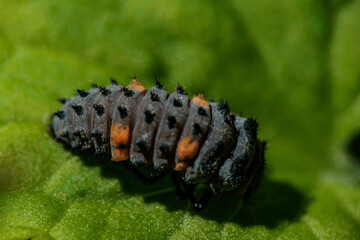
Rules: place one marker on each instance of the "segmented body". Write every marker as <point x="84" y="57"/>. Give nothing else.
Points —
<point x="201" y="140"/>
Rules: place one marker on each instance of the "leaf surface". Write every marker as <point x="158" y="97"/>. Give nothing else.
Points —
<point x="294" y="65"/>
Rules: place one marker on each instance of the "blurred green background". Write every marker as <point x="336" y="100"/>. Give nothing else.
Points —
<point x="294" y="65"/>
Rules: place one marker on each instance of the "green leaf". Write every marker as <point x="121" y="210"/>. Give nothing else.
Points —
<point x="294" y="65"/>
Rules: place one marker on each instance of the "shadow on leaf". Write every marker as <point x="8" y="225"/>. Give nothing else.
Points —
<point x="353" y="146"/>
<point x="273" y="203"/>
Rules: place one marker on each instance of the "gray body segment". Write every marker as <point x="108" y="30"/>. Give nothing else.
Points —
<point x="219" y="141"/>
<point x="82" y="123"/>
<point x="101" y="117"/>
<point x="170" y="127"/>
<point x="100" y="124"/>
<point x="148" y="118"/>
<point x="215" y="147"/>
<point x="123" y="113"/>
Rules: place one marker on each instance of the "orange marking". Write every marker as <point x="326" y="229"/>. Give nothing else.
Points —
<point x="200" y="100"/>
<point x="187" y="150"/>
<point x="120" y="154"/>
<point x="120" y="135"/>
<point x="135" y="84"/>
<point x="120" y="141"/>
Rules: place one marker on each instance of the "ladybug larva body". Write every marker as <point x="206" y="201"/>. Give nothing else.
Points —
<point x="197" y="140"/>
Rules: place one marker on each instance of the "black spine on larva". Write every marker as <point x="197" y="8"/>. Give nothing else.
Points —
<point x="180" y="90"/>
<point x="60" y="114"/>
<point x="229" y="158"/>
<point x="63" y="100"/>
<point x="158" y="84"/>
<point x="79" y="110"/>
<point x="113" y="81"/>
<point x="82" y="93"/>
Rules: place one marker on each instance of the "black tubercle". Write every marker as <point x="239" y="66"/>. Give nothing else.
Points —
<point x="158" y="84"/>
<point x="82" y="93"/>
<point x="63" y="100"/>
<point x="149" y="116"/>
<point x="201" y="111"/>
<point x="65" y="135"/>
<point x="164" y="148"/>
<point x="128" y="92"/>
<point x="96" y="134"/>
<point x="210" y="156"/>
<point x="141" y="145"/>
<point x="250" y="126"/>
<point x="100" y="110"/>
<point x="196" y="129"/>
<point x="177" y="103"/>
<point x="180" y="89"/>
<point x="154" y="97"/>
<point x="113" y="81"/>
<point x="60" y="114"/>
<point x="123" y="112"/>
<point x="78" y="109"/>
<point x="80" y="134"/>
<point x="224" y="108"/>
<point x="104" y="91"/>
<point x="94" y="85"/>
<point x="171" y="122"/>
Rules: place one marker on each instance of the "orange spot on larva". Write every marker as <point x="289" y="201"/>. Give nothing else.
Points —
<point x="186" y="151"/>
<point x="135" y="84"/>
<point x="120" y="135"/>
<point x="200" y="100"/>
<point x="120" y="141"/>
<point x="120" y="154"/>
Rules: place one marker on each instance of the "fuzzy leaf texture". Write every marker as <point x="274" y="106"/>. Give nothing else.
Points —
<point x="294" y="65"/>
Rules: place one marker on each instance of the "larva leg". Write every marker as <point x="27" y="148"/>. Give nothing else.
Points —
<point x="182" y="193"/>
<point x="199" y="205"/>
<point x="144" y="179"/>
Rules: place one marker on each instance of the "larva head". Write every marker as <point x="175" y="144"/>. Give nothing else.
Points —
<point x="249" y="175"/>
<point x="242" y="170"/>
<point x="254" y="173"/>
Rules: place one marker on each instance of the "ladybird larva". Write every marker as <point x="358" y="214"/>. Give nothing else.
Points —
<point x="195" y="140"/>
